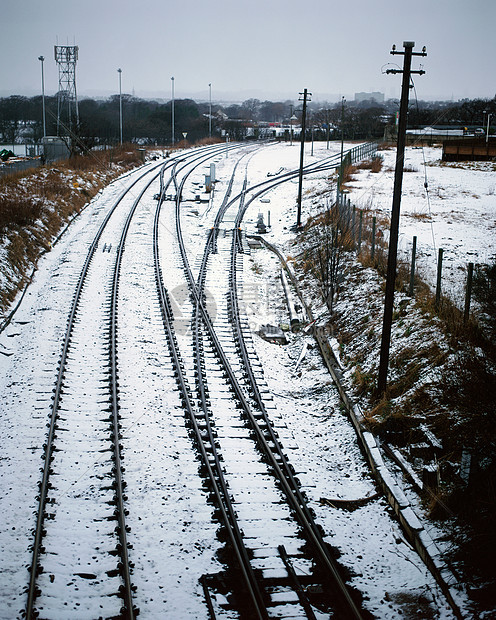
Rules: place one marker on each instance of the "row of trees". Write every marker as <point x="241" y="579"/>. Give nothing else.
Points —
<point x="148" y="121"/>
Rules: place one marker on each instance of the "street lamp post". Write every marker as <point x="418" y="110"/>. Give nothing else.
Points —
<point x="119" y="71"/>
<point x="210" y="111"/>
<point x="328" y="128"/>
<point x="172" y="87"/>
<point x="340" y="179"/>
<point x="292" y="119"/>
<point x="312" y="135"/>
<point x="42" y="58"/>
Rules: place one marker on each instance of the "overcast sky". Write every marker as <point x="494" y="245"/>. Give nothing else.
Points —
<point x="268" y="49"/>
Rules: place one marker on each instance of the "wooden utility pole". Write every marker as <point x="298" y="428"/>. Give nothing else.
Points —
<point x="395" y="213"/>
<point x="305" y="94"/>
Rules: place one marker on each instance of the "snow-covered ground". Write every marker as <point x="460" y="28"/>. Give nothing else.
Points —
<point x="457" y="212"/>
<point x="383" y="566"/>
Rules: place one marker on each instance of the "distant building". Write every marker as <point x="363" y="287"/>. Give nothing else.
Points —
<point x="377" y="97"/>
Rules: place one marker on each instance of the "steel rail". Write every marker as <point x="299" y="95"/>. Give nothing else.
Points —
<point x="279" y="460"/>
<point x="218" y="484"/>
<point x="236" y="536"/>
<point x="127" y="590"/>
<point x="328" y="163"/>
<point x="281" y="469"/>
<point x="125" y="568"/>
<point x="197" y="291"/>
<point x="44" y="483"/>
<point x="287" y="480"/>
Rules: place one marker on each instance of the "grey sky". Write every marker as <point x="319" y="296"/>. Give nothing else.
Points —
<point x="268" y="49"/>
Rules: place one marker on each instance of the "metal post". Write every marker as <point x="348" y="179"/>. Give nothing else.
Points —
<point x="360" y="232"/>
<point x="412" y="269"/>
<point x="328" y="129"/>
<point x="172" y="87"/>
<point x="119" y="71"/>
<point x="438" y="280"/>
<point x="42" y="58"/>
<point x="395" y="215"/>
<point x="302" y="151"/>
<point x="291" y="123"/>
<point x="468" y="292"/>
<point x="210" y="112"/>
<point x="353" y="227"/>
<point x="340" y="178"/>
<point x="372" y="250"/>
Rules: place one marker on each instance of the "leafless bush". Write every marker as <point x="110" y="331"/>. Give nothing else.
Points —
<point x="18" y="211"/>
<point x="331" y="236"/>
<point x="374" y="164"/>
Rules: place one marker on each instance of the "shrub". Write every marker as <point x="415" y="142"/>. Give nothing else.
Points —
<point x="374" y="164"/>
<point x="484" y="292"/>
<point x="16" y="211"/>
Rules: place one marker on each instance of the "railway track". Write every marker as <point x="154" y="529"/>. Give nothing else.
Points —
<point x="75" y="444"/>
<point x="117" y="447"/>
<point x="240" y="449"/>
<point x="75" y="519"/>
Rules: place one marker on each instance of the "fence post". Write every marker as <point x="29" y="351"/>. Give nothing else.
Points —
<point x="412" y="270"/>
<point x="353" y="224"/>
<point x="438" y="282"/>
<point x="360" y="232"/>
<point x="468" y="292"/>
<point x="372" y="250"/>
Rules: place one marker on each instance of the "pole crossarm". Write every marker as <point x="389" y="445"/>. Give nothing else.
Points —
<point x="419" y="72"/>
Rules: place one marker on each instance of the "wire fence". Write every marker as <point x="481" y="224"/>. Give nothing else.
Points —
<point x="417" y="263"/>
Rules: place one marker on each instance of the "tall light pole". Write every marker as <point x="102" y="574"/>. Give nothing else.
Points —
<point x="291" y="123"/>
<point x="210" y="111"/>
<point x="41" y="59"/>
<point x="328" y="128"/>
<point x="340" y="179"/>
<point x="311" y="118"/>
<point x="119" y="71"/>
<point x="172" y="86"/>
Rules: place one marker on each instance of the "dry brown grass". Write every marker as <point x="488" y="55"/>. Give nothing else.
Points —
<point x="18" y="211"/>
<point x="348" y="173"/>
<point x="374" y="164"/>
<point x="35" y="204"/>
<point x="207" y="141"/>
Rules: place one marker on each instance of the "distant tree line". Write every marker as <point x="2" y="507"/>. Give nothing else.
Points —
<point x="150" y="122"/>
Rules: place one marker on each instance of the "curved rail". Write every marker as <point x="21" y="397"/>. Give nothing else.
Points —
<point x="273" y="450"/>
<point x="277" y="460"/>
<point x="211" y="459"/>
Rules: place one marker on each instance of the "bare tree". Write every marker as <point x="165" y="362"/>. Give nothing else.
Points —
<point x="333" y="237"/>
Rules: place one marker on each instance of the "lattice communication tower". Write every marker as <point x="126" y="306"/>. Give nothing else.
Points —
<point x="67" y="106"/>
